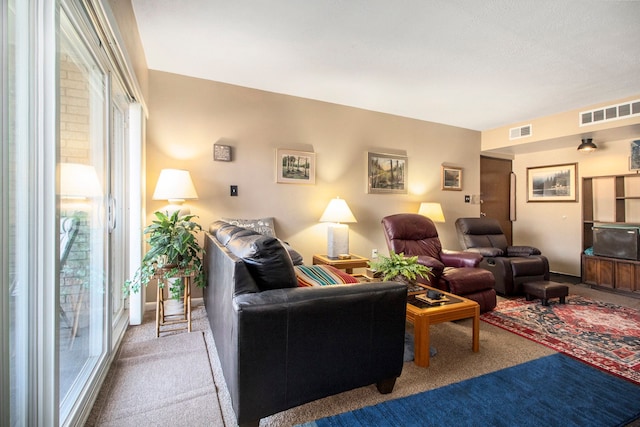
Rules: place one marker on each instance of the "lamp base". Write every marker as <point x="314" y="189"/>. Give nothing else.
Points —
<point x="170" y="209"/>
<point x="337" y="240"/>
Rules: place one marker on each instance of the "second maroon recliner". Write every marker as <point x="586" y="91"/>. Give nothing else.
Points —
<point x="455" y="272"/>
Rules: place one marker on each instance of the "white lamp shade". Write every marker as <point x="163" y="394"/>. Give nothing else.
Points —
<point x="337" y="211"/>
<point x="432" y="211"/>
<point x="78" y="181"/>
<point x="174" y="184"/>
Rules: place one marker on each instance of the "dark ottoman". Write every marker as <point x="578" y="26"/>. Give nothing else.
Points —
<point x="544" y="290"/>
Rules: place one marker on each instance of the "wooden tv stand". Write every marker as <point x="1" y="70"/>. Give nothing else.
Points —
<point x="611" y="199"/>
<point x="612" y="273"/>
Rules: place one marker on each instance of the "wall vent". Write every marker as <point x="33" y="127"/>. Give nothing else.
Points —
<point x="520" y="132"/>
<point x="612" y="112"/>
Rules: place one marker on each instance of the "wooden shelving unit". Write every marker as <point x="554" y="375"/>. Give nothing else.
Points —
<point x="610" y="199"/>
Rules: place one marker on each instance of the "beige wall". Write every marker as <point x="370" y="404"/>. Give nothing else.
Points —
<point x="188" y="115"/>
<point x="123" y="12"/>
<point x="561" y="129"/>
<point x="556" y="227"/>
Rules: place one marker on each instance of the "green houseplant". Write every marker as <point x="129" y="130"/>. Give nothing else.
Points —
<point x="174" y="248"/>
<point x="399" y="267"/>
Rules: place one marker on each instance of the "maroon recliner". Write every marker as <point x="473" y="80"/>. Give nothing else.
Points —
<point x="455" y="272"/>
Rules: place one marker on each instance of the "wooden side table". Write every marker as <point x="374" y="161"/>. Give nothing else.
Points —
<point x="170" y="311"/>
<point x="424" y="316"/>
<point x="348" y="265"/>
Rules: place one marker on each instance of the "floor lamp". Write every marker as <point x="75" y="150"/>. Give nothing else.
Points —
<point x="431" y="210"/>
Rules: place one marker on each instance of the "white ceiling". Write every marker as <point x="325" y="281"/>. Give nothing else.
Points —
<point x="468" y="63"/>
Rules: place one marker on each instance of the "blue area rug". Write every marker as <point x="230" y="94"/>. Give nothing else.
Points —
<point x="551" y="391"/>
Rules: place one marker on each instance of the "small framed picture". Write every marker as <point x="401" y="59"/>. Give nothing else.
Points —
<point x="555" y="183"/>
<point x="634" y="159"/>
<point x="295" y="167"/>
<point x="386" y="173"/>
<point x="451" y="178"/>
<point x="221" y="153"/>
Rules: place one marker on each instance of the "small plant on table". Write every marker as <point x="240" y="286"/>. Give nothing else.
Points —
<point x="400" y="267"/>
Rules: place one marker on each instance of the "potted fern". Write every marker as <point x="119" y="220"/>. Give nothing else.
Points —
<point x="399" y="267"/>
<point x="174" y="249"/>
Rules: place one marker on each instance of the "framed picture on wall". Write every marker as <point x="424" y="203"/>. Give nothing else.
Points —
<point x="556" y="183"/>
<point x="634" y="158"/>
<point x="451" y="178"/>
<point x="386" y="173"/>
<point x="295" y="167"/>
<point x="221" y="153"/>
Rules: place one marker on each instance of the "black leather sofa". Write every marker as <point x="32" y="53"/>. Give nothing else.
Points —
<point x="281" y="345"/>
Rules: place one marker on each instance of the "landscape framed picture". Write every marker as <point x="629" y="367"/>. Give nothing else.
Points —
<point x="451" y="178"/>
<point x="555" y="183"/>
<point x="295" y="167"/>
<point x="386" y="173"/>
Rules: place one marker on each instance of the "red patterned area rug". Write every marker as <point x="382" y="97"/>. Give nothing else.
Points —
<point x="603" y="335"/>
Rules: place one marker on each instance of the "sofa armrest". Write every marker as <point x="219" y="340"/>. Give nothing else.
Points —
<point x="460" y="259"/>
<point x="296" y="345"/>
<point x="522" y="251"/>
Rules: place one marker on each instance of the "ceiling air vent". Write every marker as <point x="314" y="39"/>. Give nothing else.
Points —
<point x="521" y="132"/>
<point x="612" y="112"/>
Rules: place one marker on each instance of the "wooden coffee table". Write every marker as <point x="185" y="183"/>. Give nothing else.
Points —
<point x="422" y="316"/>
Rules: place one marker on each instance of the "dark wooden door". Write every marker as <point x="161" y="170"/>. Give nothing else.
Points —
<point x="495" y="185"/>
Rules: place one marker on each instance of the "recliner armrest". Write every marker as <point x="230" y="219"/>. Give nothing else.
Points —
<point x="487" y="251"/>
<point x="430" y="262"/>
<point x="522" y="251"/>
<point x="460" y="259"/>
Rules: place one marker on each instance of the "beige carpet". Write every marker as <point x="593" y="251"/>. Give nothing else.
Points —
<point x="159" y="382"/>
<point x="454" y="362"/>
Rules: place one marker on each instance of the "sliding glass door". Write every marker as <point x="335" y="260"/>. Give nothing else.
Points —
<point x="65" y="168"/>
<point x="83" y="179"/>
<point x="118" y="206"/>
<point x="16" y="272"/>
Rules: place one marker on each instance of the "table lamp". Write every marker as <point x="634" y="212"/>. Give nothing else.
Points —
<point x="433" y="211"/>
<point x="338" y="213"/>
<point x="176" y="186"/>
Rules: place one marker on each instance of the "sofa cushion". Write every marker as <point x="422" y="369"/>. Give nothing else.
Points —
<point x="261" y="225"/>
<point x="266" y="258"/>
<point x="224" y="231"/>
<point x="322" y="275"/>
